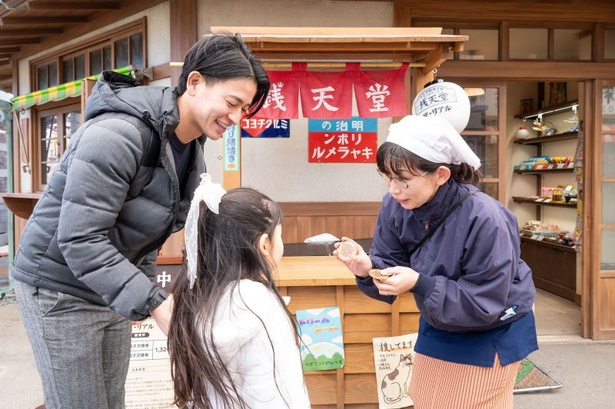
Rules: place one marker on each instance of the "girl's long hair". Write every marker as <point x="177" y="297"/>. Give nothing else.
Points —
<point x="392" y="159"/>
<point x="227" y="252"/>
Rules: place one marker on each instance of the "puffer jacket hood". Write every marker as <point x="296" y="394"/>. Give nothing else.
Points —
<point x="115" y="93"/>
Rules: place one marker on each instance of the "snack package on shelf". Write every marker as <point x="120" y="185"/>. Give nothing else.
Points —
<point x="535" y="229"/>
<point x="534" y="163"/>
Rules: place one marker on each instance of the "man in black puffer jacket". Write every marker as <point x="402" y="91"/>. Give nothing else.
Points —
<point x="85" y="265"/>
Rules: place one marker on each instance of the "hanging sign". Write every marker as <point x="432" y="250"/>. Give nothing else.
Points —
<point x="381" y="94"/>
<point x="231" y="149"/>
<point x="444" y="99"/>
<point x="326" y="95"/>
<point x="265" y="128"/>
<point x="283" y="98"/>
<point x="351" y="140"/>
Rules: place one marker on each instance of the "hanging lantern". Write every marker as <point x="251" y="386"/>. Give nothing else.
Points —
<point x="444" y="99"/>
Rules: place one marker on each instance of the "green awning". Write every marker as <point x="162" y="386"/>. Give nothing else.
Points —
<point x="57" y="93"/>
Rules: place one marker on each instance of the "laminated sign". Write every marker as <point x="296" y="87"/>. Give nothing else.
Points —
<point x="149" y="384"/>
<point x="393" y="358"/>
<point x="322" y="346"/>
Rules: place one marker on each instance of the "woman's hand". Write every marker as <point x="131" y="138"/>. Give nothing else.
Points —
<point x="399" y="280"/>
<point x="353" y="256"/>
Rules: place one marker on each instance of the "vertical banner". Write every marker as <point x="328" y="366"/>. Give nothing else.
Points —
<point x="282" y="101"/>
<point x="352" y="140"/>
<point x="149" y="384"/>
<point x="381" y="94"/>
<point x="231" y="149"/>
<point x="321" y="332"/>
<point x="326" y="95"/>
<point x="393" y="357"/>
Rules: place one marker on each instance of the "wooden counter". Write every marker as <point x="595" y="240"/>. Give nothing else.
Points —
<point x="21" y="204"/>
<point x="313" y="271"/>
<point x="323" y="281"/>
<point x="554" y="266"/>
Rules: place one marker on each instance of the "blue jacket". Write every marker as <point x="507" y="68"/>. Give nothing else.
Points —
<point x="470" y="270"/>
<point x="112" y="202"/>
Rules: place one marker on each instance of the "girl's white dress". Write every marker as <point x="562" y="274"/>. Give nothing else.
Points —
<point x="252" y="330"/>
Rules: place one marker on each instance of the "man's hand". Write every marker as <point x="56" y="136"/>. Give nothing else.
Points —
<point x="162" y="314"/>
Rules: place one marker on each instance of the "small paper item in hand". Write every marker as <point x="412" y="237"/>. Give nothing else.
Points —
<point x="321" y="239"/>
<point x="375" y="273"/>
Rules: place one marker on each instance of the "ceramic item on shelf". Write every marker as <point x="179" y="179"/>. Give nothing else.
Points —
<point x="522" y="132"/>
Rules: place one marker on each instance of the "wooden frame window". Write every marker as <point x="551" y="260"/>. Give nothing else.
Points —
<point x="528" y="41"/>
<point x="54" y="122"/>
<point x="572" y="44"/>
<point x="47" y="75"/>
<point x="52" y="132"/>
<point x="121" y="47"/>
<point x="483" y="44"/>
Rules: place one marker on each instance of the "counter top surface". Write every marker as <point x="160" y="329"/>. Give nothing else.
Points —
<point x="313" y="271"/>
<point x="21" y="204"/>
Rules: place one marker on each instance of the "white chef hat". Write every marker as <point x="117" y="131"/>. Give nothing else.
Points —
<point x="432" y="138"/>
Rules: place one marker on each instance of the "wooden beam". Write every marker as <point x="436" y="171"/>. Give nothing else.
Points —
<point x="74" y="5"/>
<point x="349" y="44"/>
<point x="401" y="15"/>
<point x="183" y="22"/>
<point x="18" y="21"/>
<point x="522" y="70"/>
<point x="99" y="21"/>
<point x="29" y="33"/>
<point x="330" y="33"/>
<point x="160" y="71"/>
<point x="435" y="59"/>
<point x="511" y="10"/>
<point x="19" y="41"/>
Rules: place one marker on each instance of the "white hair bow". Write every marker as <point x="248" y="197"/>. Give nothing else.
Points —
<point x="210" y="193"/>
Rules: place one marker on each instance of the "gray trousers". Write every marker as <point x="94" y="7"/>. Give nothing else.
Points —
<point x="82" y="350"/>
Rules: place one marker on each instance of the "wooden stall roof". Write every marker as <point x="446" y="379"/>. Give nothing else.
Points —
<point x="424" y="47"/>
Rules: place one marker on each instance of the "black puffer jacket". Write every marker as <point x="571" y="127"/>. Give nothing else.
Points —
<point x="112" y="202"/>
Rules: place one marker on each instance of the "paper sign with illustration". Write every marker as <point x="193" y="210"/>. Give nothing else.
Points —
<point x="393" y="357"/>
<point x="322" y="346"/>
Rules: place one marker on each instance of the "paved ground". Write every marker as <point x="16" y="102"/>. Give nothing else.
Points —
<point x="585" y="368"/>
<point x="20" y="387"/>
